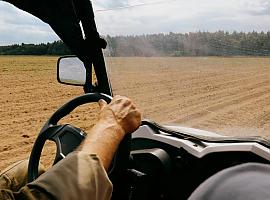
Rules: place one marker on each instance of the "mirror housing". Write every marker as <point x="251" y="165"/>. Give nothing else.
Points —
<point x="71" y="71"/>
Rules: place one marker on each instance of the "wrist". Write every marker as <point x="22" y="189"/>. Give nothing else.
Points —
<point x="112" y="125"/>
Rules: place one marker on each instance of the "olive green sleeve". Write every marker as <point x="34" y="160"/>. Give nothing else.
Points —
<point x="25" y="193"/>
<point x="78" y="176"/>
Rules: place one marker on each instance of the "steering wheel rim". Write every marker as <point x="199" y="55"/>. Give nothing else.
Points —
<point x="50" y="128"/>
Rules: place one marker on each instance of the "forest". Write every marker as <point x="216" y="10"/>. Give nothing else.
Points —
<point x="218" y="43"/>
<point x="54" y="48"/>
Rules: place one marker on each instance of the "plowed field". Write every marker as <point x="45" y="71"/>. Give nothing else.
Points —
<point x="225" y="95"/>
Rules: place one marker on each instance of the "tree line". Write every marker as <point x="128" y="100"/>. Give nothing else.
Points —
<point x="218" y="43"/>
<point x="54" y="48"/>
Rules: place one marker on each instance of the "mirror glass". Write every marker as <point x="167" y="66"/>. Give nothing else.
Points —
<point x="71" y="70"/>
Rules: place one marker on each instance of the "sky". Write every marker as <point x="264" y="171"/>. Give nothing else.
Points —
<point x="116" y="17"/>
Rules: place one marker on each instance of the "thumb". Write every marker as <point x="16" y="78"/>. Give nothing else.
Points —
<point x="102" y="104"/>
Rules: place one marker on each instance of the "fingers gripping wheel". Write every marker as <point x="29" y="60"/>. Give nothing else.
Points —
<point x="66" y="137"/>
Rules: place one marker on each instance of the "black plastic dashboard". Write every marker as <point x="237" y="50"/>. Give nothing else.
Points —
<point x="167" y="168"/>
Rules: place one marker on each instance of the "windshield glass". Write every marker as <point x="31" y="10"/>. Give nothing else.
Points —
<point x="199" y="63"/>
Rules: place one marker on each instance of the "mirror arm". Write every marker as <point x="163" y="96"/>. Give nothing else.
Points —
<point x="88" y="87"/>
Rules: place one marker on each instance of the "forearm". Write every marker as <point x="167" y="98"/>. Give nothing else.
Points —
<point x="116" y="120"/>
<point x="103" y="140"/>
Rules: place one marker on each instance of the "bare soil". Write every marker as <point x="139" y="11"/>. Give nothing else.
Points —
<point x="226" y="95"/>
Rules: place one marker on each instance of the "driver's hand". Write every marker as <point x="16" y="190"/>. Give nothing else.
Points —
<point x="121" y="111"/>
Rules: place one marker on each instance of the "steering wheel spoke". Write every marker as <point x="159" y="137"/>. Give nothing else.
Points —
<point x="67" y="140"/>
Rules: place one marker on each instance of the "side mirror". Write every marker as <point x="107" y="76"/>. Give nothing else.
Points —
<point x="71" y="71"/>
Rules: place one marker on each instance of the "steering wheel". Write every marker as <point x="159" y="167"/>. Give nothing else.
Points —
<point x="68" y="137"/>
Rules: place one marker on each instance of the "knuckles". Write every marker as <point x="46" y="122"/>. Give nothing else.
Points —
<point x="125" y="112"/>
